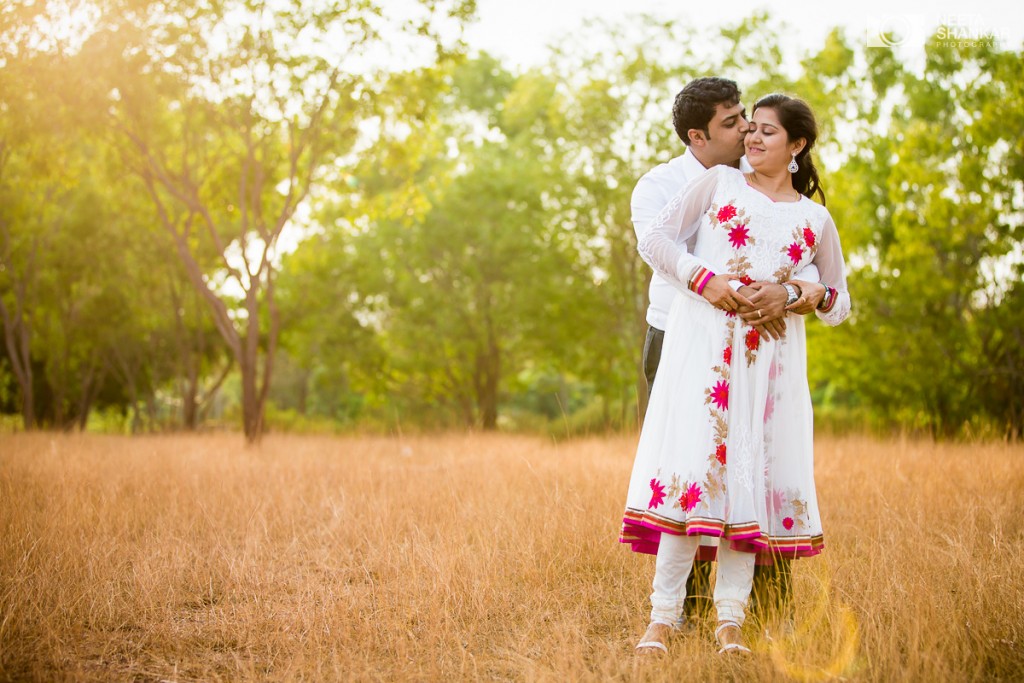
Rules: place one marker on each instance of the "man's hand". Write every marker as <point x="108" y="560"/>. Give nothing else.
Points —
<point x="720" y="295"/>
<point x="767" y="310"/>
<point x="811" y="294"/>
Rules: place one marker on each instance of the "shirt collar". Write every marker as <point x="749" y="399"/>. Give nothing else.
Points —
<point x="693" y="168"/>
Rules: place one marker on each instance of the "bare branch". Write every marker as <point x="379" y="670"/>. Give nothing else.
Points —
<point x="220" y="312"/>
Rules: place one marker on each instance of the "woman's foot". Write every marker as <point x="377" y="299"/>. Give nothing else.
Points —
<point x="654" y="639"/>
<point x="729" y="638"/>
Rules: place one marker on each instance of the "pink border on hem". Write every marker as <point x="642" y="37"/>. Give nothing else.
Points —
<point x="645" y="538"/>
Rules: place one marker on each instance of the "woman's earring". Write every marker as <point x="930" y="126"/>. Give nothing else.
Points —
<point x="793" y="166"/>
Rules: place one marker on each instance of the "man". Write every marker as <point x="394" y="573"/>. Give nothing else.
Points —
<point x="710" y="120"/>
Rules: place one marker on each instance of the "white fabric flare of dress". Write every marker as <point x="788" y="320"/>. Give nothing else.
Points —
<point x="726" y="448"/>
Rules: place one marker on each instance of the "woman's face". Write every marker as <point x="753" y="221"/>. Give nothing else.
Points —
<point x="767" y="144"/>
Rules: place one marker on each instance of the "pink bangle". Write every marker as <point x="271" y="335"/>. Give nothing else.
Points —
<point x="700" y="279"/>
<point x="829" y="300"/>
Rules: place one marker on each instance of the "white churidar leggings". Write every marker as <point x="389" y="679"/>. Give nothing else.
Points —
<point x="735" y="575"/>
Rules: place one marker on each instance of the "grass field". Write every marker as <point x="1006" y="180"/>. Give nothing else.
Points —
<point x="187" y="558"/>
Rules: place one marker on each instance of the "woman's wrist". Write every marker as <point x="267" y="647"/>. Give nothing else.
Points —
<point x="829" y="300"/>
<point x="700" y="279"/>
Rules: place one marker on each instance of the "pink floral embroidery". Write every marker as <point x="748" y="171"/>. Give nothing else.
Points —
<point x="753" y="339"/>
<point x="726" y="213"/>
<point x="730" y="314"/>
<point x="809" y="237"/>
<point x="796" y="252"/>
<point x="720" y="394"/>
<point x="777" y="501"/>
<point x="657" y="495"/>
<point x="769" y="407"/>
<point x="738" y="235"/>
<point x="720" y="453"/>
<point x="788" y="523"/>
<point x="690" y="497"/>
<point x="727" y="355"/>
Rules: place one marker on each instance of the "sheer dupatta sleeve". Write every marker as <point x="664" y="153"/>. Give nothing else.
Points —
<point x="830" y="262"/>
<point x="663" y="245"/>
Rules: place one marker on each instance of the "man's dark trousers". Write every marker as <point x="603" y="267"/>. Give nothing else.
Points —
<point x="772" y="584"/>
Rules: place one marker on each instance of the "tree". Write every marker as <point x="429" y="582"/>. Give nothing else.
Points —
<point x="34" y="195"/>
<point x="230" y="122"/>
<point x="470" y="277"/>
<point x="931" y="206"/>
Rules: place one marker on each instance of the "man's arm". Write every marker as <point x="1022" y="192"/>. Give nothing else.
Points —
<point x="647" y="200"/>
<point x="663" y="245"/>
<point x="662" y="241"/>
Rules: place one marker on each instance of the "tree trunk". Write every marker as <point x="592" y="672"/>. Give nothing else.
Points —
<point x="59" y="412"/>
<point x="90" y="386"/>
<point x="17" y="339"/>
<point x="252" y="406"/>
<point x="304" y="392"/>
<point x="488" y="372"/>
<point x="208" y="395"/>
<point x="489" y="403"/>
<point x="189" y="395"/>
<point x="151" y="411"/>
<point x="28" y="408"/>
<point x="136" y="425"/>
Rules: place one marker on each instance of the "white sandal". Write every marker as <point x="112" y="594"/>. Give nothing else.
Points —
<point x="653" y="644"/>
<point x="728" y="647"/>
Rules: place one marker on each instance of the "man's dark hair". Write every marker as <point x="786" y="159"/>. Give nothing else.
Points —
<point x="695" y="104"/>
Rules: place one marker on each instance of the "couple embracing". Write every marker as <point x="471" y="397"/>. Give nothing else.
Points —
<point x="724" y="468"/>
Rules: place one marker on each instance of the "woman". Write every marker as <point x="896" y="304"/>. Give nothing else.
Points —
<point x="727" y="447"/>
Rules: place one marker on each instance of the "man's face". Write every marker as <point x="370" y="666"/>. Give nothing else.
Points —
<point x="726" y="131"/>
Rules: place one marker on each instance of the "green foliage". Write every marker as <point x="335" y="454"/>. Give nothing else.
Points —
<point x="934" y="215"/>
<point x="466" y="253"/>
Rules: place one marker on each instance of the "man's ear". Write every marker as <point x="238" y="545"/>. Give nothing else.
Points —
<point x="697" y="137"/>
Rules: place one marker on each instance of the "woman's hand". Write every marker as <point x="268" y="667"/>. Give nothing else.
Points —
<point x="720" y="294"/>
<point x="767" y="312"/>
<point x="811" y="294"/>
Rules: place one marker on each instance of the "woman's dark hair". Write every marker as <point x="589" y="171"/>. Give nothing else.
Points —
<point x="798" y="120"/>
<point x="695" y="104"/>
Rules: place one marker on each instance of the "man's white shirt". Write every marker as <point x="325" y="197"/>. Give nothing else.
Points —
<point x="652" y="192"/>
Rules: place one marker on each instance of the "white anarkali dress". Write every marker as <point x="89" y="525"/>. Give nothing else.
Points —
<point x="727" y="447"/>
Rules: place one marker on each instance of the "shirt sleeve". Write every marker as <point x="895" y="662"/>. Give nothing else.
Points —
<point x="832" y="266"/>
<point x="808" y="273"/>
<point x="663" y="243"/>
<point x="647" y="200"/>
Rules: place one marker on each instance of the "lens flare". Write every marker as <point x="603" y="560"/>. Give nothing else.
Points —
<point x="829" y="620"/>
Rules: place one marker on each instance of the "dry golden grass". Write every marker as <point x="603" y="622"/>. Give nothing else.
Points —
<point x="186" y="558"/>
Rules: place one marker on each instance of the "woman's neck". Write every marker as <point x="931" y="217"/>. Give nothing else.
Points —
<point x="775" y="186"/>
